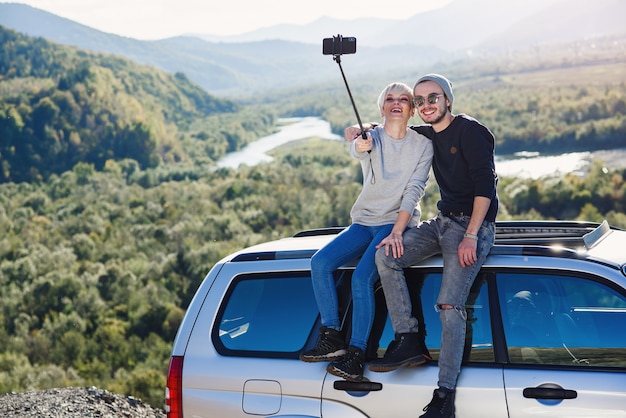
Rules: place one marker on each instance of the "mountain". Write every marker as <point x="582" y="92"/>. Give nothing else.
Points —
<point x="462" y="24"/>
<point x="219" y="67"/>
<point x="568" y="21"/>
<point x="290" y="55"/>
<point x="459" y="25"/>
<point x="61" y="106"/>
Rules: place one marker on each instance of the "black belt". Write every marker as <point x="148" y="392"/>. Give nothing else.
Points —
<point x="455" y="214"/>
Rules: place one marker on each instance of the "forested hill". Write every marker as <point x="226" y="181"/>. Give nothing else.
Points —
<point x="60" y="106"/>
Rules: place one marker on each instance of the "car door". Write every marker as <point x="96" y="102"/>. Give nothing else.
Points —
<point x="566" y="345"/>
<point x="406" y="391"/>
<point x="242" y="356"/>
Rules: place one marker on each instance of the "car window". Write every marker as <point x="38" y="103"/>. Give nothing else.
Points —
<point x="478" y="337"/>
<point x="425" y="288"/>
<point x="265" y="315"/>
<point x="562" y="320"/>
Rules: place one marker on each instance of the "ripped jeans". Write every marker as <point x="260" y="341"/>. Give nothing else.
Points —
<point x="439" y="235"/>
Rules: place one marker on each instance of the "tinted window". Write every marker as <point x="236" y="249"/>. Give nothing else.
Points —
<point x="479" y="342"/>
<point x="478" y="338"/>
<point x="562" y="320"/>
<point x="267" y="313"/>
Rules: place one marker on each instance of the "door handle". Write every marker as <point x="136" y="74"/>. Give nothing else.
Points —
<point x="364" y="386"/>
<point x="549" y="391"/>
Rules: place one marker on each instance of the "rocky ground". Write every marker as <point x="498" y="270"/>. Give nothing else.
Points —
<point x="74" y="403"/>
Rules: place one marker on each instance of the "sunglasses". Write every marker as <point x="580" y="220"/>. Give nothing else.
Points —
<point x="432" y="98"/>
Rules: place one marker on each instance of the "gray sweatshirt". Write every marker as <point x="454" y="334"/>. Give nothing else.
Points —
<point x="395" y="173"/>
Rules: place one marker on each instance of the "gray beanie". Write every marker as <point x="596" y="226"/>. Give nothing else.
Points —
<point x="443" y="82"/>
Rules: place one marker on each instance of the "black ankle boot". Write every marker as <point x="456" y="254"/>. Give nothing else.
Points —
<point x="330" y="346"/>
<point x="350" y="367"/>
<point x="405" y="350"/>
<point x="442" y="405"/>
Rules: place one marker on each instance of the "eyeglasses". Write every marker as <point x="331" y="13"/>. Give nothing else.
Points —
<point x="432" y="99"/>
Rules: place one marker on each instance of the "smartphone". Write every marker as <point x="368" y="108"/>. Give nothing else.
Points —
<point x="339" y="45"/>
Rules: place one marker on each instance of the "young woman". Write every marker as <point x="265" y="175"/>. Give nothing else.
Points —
<point x="396" y="163"/>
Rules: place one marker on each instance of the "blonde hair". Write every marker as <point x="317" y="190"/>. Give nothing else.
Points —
<point x="395" y="88"/>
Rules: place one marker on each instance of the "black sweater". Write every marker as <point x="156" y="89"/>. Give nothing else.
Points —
<point x="463" y="164"/>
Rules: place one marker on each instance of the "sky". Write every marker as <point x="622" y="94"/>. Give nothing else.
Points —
<point x="157" y="19"/>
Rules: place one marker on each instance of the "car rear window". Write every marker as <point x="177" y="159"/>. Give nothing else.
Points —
<point x="270" y="314"/>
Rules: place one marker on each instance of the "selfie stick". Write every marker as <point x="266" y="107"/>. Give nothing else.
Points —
<point x="337" y="58"/>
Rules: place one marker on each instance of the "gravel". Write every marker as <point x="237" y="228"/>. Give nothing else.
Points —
<point x="74" y="402"/>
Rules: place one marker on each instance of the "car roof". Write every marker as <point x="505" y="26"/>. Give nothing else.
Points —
<point x="584" y="240"/>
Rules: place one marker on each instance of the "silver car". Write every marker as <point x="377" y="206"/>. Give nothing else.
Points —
<point x="546" y="333"/>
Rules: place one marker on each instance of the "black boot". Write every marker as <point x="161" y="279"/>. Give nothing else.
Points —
<point x="350" y="367"/>
<point x="330" y="346"/>
<point x="405" y="350"/>
<point x="422" y="346"/>
<point x="442" y="405"/>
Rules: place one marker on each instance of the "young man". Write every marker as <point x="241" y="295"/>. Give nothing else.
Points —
<point x="463" y="233"/>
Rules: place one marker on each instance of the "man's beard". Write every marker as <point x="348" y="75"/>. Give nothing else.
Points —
<point x="437" y="117"/>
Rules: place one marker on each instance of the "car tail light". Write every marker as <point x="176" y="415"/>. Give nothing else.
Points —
<point x="174" y="388"/>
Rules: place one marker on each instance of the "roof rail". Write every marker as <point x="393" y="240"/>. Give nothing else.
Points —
<point x="319" y="231"/>
<point x="570" y="234"/>
<point x="564" y="233"/>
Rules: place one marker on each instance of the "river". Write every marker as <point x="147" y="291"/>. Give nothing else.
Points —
<point x="291" y="130"/>
<point x="526" y="164"/>
<point x="533" y="165"/>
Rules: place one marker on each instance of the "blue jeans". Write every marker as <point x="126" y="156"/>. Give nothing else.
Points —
<point x="439" y="235"/>
<point x="356" y="240"/>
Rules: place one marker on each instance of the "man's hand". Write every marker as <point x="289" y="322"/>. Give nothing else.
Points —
<point x="394" y="242"/>
<point x="467" y="252"/>
<point x="351" y="133"/>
